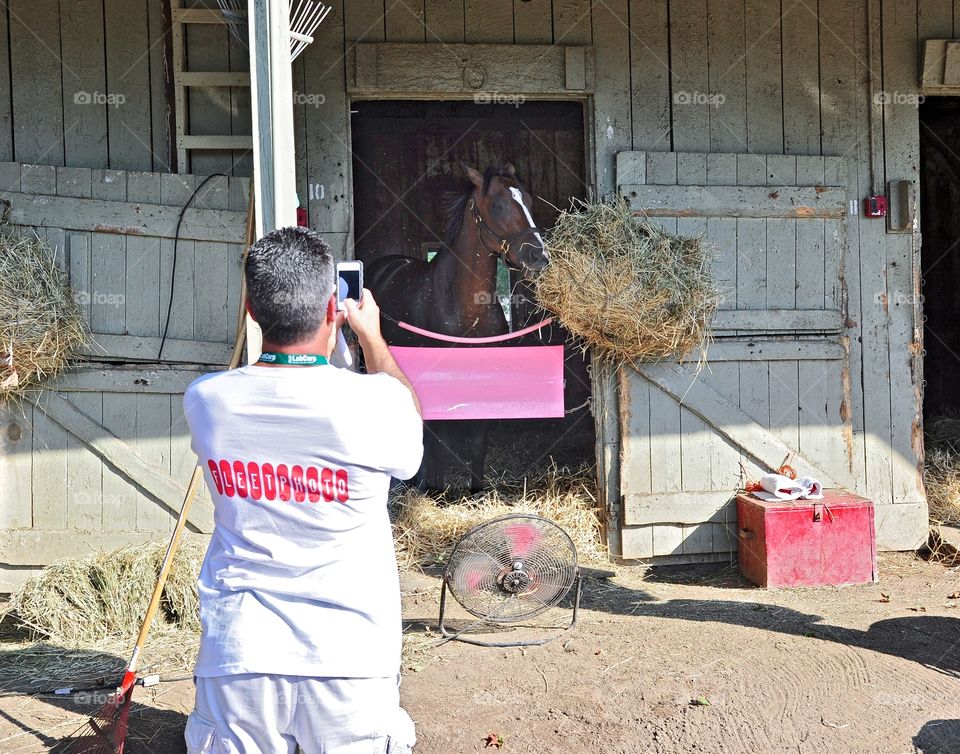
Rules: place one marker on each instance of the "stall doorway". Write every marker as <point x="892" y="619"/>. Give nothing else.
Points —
<point x="406" y="169"/>
<point x="940" y="254"/>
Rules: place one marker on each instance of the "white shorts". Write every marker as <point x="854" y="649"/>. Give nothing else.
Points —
<point x="273" y="714"/>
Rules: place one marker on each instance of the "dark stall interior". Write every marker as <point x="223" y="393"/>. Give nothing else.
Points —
<point x="940" y="253"/>
<point x="406" y="171"/>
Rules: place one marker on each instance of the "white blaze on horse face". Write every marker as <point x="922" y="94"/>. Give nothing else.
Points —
<point x="518" y="198"/>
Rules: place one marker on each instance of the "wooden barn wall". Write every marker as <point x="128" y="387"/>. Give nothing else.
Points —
<point x="102" y="458"/>
<point x="788" y="83"/>
<point x="88" y="83"/>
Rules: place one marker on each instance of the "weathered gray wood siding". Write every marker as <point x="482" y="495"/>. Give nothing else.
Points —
<point x="735" y="77"/>
<point x="102" y="458"/>
<point x="711" y="77"/>
<point x="85" y="84"/>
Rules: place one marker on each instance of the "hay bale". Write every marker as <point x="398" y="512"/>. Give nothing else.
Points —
<point x="426" y="528"/>
<point x="626" y="287"/>
<point x="941" y="469"/>
<point x="43" y="326"/>
<point x="78" y="601"/>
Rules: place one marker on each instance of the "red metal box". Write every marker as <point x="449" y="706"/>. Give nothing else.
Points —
<point x="787" y="543"/>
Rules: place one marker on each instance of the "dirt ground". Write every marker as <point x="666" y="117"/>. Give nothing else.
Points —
<point x="668" y="661"/>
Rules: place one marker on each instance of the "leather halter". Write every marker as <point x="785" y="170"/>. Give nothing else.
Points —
<point x="503" y="243"/>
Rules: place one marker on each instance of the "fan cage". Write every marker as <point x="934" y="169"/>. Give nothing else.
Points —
<point x="481" y="572"/>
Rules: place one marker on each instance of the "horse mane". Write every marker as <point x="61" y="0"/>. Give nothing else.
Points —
<point x="456" y="207"/>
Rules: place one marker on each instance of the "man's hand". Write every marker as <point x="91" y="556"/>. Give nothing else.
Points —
<point x="364" y="319"/>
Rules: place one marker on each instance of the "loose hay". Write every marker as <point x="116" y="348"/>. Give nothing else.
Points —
<point x="42" y="327"/>
<point x="86" y="611"/>
<point x="80" y="601"/>
<point x="426" y="529"/>
<point x="626" y="287"/>
<point x="941" y="474"/>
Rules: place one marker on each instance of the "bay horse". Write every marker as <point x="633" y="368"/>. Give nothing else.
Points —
<point x="456" y="294"/>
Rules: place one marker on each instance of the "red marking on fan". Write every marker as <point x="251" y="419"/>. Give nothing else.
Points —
<point x="522" y="538"/>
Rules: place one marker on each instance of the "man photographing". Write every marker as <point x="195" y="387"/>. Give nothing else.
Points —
<point x="299" y="593"/>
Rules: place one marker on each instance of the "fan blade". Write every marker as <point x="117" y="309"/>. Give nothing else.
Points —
<point x="522" y="538"/>
<point x="476" y="572"/>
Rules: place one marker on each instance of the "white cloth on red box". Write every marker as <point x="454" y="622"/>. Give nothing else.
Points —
<point x="779" y="487"/>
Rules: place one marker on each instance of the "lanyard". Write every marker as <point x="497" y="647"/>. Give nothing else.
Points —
<point x="292" y="359"/>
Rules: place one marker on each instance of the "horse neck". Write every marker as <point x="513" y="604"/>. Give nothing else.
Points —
<point x="475" y="269"/>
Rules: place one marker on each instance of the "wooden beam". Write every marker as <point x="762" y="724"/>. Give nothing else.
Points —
<point x="399" y="68"/>
<point x="213" y="78"/>
<point x="775" y="320"/>
<point x="136" y="348"/>
<point x="799" y="202"/>
<point x="730" y="421"/>
<point x="676" y="507"/>
<point x="122" y="379"/>
<point x="120" y="456"/>
<point x="769" y="350"/>
<point x="33" y="547"/>
<point x="197" y="16"/>
<point x="188" y="141"/>
<point x="124" y="218"/>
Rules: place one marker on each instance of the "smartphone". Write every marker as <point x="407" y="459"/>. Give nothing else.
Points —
<point x="349" y="281"/>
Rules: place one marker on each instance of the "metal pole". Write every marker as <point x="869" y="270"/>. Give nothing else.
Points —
<point x="271" y="86"/>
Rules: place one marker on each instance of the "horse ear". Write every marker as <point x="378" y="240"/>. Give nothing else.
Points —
<point x="474" y="175"/>
<point x="511" y="170"/>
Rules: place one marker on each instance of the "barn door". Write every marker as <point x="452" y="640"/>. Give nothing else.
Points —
<point x="776" y="382"/>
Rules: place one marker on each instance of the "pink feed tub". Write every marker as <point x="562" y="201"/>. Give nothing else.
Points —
<point x="498" y="382"/>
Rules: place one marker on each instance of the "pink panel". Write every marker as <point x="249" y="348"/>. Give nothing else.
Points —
<point x="525" y="382"/>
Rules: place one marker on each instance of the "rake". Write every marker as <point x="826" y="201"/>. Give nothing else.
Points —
<point x="106" y="731"/>
<point x="305" y="17"/>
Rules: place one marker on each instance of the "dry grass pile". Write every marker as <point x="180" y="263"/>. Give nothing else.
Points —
<point x="79" y="601"/>
<point x="941" y="474"/>
<point x="42" y="327"/>
<point x="426" y="529"/>
<point x="626" y="287"/>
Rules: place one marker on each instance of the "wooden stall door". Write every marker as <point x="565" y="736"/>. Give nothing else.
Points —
<point x="101" y="457"/>
<point x="776" y="382"/>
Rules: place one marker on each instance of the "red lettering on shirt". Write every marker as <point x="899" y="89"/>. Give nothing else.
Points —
<point x="240" y="478"/>
<point x="253" y="477"/>
<point x="313" y="484"/>
<point x="343" y="489"/>
<point x="215" y="475"/>
<point x="296" y="481"/>
<point x="249" y="479"/>
<point x="225" y="473"/>
<point x="283" y="482"/>
<point x="269" y="482"/>
<point x="326" y="484"/>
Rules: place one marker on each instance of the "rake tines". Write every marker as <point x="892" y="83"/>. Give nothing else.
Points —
<point x="106" y="730"/>
<point x="305" y="17"/>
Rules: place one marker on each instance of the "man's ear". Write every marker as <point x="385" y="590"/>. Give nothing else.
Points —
<point x="332" y="309"/>
<point x="246" y="305"/>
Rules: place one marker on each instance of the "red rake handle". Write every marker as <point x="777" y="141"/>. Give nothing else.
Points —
<point x="129" y="677"/>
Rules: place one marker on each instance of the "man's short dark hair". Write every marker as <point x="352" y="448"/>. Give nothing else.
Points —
<point x="290" y="278"/>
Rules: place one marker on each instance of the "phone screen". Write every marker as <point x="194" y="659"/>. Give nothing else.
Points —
<point x="348" y="285"/>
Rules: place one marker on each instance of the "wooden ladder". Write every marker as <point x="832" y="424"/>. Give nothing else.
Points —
<point x="183" y="80"/>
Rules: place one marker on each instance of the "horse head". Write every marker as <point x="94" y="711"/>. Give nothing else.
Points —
<point x="500" y="207"/>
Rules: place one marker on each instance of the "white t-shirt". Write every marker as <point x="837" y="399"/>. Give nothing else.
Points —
<point x="300" y="577"/>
